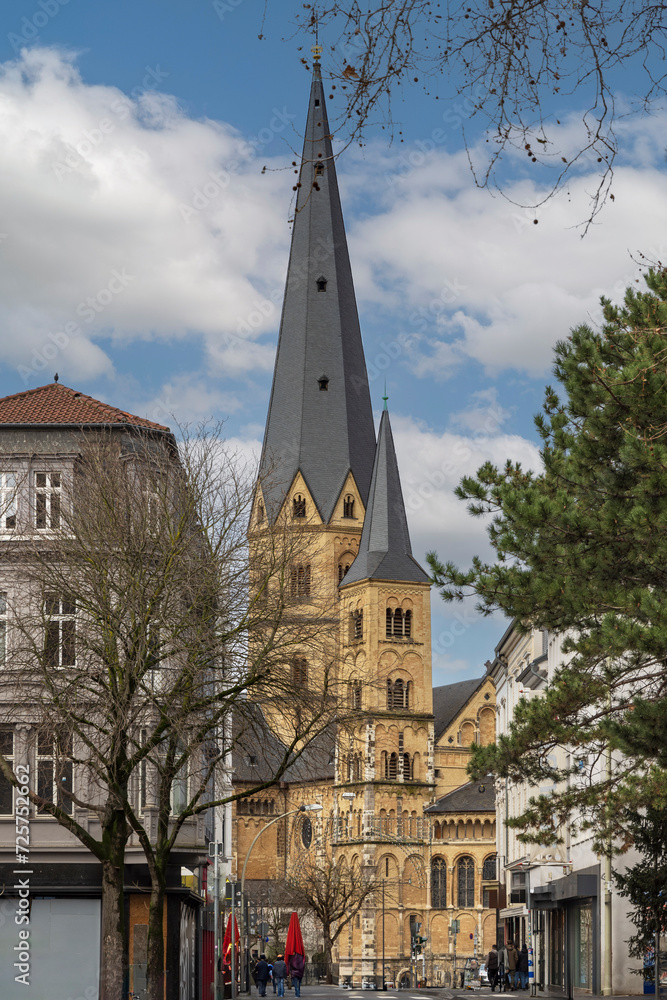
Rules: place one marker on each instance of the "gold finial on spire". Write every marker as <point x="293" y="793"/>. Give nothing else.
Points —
<point x="317" y="51"/>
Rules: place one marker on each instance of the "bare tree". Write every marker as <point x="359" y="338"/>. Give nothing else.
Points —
<point x="141" y="623"/>
<point x="513" y="62"/>
<point x="335" y="889"/>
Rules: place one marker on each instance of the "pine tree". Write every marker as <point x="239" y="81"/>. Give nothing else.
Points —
<point x="582" y="550"/>
<point x="645" y="884"/>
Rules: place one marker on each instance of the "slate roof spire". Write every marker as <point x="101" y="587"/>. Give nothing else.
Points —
<point x="320" y="419"/>
<point x="385" y="552"/>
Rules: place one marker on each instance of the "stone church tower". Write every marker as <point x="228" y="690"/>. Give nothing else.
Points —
<point x="322" y="467"/>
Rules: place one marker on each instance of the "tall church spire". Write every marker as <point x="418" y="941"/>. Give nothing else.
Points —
<point x="385" y="552"/>
<point x="320" y="419"/>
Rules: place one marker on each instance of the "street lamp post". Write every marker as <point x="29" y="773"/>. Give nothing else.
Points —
<point x="310" y="807"/>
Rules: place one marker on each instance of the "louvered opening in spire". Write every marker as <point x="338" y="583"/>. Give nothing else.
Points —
<point x="320" y="420"/>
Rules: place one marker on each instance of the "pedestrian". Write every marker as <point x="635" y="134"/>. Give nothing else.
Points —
<point x="296" y="967"/>
<point x="522" y="966"/>
<point x="512" y="959"/>
<point x="271" y="977"/>
<point x="492" y="967"/>
<point x="280" y="974"/>
<point x="262" y="975"/>
<point x="503" y="960"/>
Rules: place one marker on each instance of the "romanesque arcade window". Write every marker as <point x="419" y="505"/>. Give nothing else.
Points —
<point x="300" y="672"/>
<point x="300" y="581"/>
<point x="357" y="625"/>
<point x="399" y="693"/>
<point x="348" y="506"/>
<point x="398" y="624"/>
<point x="299" y="506"/>
<point x="439" y="883"/>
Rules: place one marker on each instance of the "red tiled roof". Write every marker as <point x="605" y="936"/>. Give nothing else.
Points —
<point x="57" y="404"/>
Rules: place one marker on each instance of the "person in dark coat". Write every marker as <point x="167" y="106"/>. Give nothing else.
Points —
<point x="522" y="966"/>
<point x="280" y="975"/>
<point x="492" y="967"/>
<point x="296" y="967"/>
<point x="261" y="975"/>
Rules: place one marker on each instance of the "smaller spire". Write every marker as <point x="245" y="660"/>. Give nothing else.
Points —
<point x="385" y="397"/>
<point x="385" y="552"/>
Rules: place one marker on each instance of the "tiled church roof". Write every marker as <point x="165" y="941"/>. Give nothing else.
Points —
<point x="57" y="404"/>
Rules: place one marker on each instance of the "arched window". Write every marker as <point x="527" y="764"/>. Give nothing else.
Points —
<point x="407" y="770"/>
<point x="357" y="767"/>
<point x="357" y="624"/>
<point x="355" y="694"/>
<point x="299" y="506"/>
<point x="465" y="881"/>
<point x="407" y="624"/>
<point x="398" y="693"/>
<point x="322" y="281"/>
<point x="300" y="672"/>
<point x="391" y="766"/>
<point x="489" y="869"/>
<point x="343" y="567"/>
<point x="398" y="622"/>
<point x="348" y="506"/>
<point x="439" y="883"/>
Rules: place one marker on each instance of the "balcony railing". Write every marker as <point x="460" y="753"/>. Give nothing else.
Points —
<point x="411" y="830"/>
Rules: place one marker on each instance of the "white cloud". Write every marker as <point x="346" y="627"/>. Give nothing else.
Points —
<point x="431" y="465"/>
<point x="470" y="276"/>
<point x="126" y="219"/>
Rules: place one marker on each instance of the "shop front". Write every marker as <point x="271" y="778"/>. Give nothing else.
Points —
<point x="566" y="932"/>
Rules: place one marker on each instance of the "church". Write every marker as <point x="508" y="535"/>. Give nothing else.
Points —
<point x="391" y="792"/>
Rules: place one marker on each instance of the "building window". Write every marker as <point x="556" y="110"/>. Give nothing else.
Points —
<point x="391" y="766"/>
<point x="407" y="767"/>
<point x="465" y="878"/>
<point x="321" y="282"/>
<point x="60" y="637"/>
<point x="439" y="883"/>
<point x="489" y="869"/>
<point x="300" y="672"/>
<point x="399" y="624"/>
<point x="398" y="693"/>
<point x="306" y="832"/>
<point x="300" y="581"/>
<point x="319" y="169"/>
<point x="355" y="694"/>
<point x="323" y="383"/>
<point x="54" y="770"/>
<point x="6" y="788"/>
<point x="7" y="501"/>
<point x="357" y="624"/>
<point x="299" y="506"/>
<point x="48" y="497"/>
<point x="486" y="898"/>
<point x="342" y="570"/>
<point x="348" y="506"/>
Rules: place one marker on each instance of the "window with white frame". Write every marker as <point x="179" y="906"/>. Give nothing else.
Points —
<point x="60" y="633"/>
<point x="6" y="787"/>
<point x="7" y="501"/>
<point x="54" y="770"/>
<point x="48" y="500"/>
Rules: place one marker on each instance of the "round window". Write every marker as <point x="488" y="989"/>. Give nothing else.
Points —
<point x="306" y="832"/>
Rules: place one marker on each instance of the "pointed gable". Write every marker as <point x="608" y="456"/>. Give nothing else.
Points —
<point x="320" y="420"/>
<point x="57" y="404"/>
<point x="385" y="552"/>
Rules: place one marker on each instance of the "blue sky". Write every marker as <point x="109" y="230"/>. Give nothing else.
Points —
<point x="144" y="251"/>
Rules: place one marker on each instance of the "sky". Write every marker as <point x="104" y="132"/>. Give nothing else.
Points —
<point x="144" y="246"/>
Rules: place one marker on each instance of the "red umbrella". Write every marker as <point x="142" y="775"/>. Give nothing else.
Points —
<point x="294" y="943"/>
<point x="227" y="943"/>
